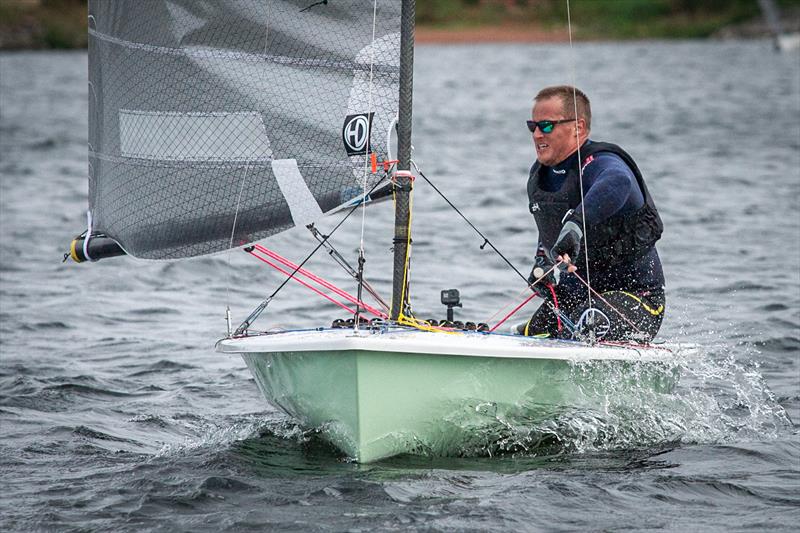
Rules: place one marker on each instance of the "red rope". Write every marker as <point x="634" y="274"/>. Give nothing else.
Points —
<point x="512" y="313"/>
<point x="555" y="304"/>
<point x="303" y="283"/>
<point x="315" y="278"/>
<point x="529" y="298"/>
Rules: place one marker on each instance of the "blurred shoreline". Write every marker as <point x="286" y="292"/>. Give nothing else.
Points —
<point x="61" y="24"/>
<point x="501" y="33"/>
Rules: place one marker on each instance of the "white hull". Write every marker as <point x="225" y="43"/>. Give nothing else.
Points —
<point x="378" y="394"/>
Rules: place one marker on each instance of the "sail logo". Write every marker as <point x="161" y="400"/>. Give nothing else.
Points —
<point x="356" y="132"/>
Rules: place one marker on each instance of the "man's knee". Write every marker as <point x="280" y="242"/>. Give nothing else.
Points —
<point x="633" y="317"/>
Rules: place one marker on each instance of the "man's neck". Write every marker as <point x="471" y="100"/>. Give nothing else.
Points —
<point x="572" y="159"/>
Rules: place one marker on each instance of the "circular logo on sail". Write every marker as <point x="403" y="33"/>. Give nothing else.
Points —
<point x="355" y="133"/>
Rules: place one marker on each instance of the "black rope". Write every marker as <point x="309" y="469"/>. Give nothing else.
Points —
<point x="485" y="239"/>
<point x="254" y="315"/>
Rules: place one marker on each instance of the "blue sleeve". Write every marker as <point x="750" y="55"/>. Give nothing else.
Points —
<point x="610" y="187"/>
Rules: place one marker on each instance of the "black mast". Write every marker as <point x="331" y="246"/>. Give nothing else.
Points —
<point x="403" y="182"/>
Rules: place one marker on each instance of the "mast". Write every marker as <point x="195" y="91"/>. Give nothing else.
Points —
<point x="773" y="19"/>
<point x="403" y="181"/>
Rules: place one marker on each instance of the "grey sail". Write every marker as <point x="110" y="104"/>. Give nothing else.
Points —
<point x="243" y="116"/>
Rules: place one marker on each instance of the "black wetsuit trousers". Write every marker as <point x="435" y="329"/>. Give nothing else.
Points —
<point x="632" y="315"/>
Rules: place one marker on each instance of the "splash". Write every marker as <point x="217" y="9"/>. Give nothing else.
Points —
<point x="205" y="434"/>
<point x="715" y="400"/>
<point x="213" y="435"/>
<point x="704" y="396"/>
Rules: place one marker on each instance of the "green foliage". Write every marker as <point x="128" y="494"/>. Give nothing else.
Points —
<point x="58" y="35"/>
<point x="43" y="23"/>
<point x="62" y="23"/>
<point x="603" y="19"/>
<point x="460" y="12"/>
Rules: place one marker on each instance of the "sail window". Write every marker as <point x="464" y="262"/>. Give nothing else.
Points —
<point x="193" y="136"/>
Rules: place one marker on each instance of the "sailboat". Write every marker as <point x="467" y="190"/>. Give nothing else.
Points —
<point x="783" y="41"/>
<point x="214" y="125"/>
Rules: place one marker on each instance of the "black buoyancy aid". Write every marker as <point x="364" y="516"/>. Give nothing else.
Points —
<point x="619" y="238"/>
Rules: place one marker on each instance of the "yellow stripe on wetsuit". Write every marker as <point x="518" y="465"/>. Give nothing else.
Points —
<point x="654" y="312"/>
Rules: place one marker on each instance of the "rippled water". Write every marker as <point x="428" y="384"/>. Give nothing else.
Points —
<point x="116" y="413"/>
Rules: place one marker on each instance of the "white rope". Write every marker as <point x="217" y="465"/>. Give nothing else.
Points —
<point x="239" y="200"/>
<point x="580" y="161"/>
<point x="88" y="235"/>
<point x="369" y="136"/>
<point x="389" y="156"/>
<point x="230" y="243"/>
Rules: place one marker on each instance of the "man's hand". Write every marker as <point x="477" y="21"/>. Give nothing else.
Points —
<point x="542" y="269"/>
<point x="568" y="244"/>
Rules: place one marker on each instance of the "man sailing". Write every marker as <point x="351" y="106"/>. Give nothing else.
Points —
<point x="615" y="219"/>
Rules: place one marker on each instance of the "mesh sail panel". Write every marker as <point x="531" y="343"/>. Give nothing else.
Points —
<point x="222" y="114"/>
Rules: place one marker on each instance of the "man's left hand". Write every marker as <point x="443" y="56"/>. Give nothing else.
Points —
<point x="568" y="244"/>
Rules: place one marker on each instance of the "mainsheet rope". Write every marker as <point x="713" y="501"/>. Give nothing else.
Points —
<point x="486" y="240"/>
<point x="580" y="164"/>
<point x="489" y="243"/>
<point x="600" y="297"/>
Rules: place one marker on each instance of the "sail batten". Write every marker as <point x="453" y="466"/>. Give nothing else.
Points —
<point x="204" y="52"/>
<point x="196" y="110"/>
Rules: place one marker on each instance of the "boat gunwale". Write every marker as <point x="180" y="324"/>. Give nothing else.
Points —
<point x="465" y="344"/>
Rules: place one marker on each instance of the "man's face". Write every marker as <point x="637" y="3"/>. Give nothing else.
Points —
<point x="554" y="147"/>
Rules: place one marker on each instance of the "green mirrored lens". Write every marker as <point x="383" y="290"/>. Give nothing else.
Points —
<point x="546" y="126"/>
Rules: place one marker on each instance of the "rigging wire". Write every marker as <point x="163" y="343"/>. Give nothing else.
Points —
<point x="239" y="201"/>
<point x="600" y="297"/>
<point x="560" y="315"/>
<point x="230" y="247"/>
<point x="580" y="166"/>
<point x="342" y="262"/>
<point x="366" y="161"/>
<point x="486" y="241"/>
<point x="263" y="305"/>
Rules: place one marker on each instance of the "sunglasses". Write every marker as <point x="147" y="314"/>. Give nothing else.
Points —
<point x="546" y="125"/>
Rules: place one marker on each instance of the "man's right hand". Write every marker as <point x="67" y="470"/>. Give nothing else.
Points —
<point x="542" y="269"/>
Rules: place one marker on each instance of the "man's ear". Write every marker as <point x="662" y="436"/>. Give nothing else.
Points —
<point x="581" y="125"/>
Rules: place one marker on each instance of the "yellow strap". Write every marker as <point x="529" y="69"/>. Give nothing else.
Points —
<point x="654" y="312"/>
<point x="535" y="335"/>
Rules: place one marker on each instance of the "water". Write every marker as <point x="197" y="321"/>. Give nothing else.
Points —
<point x="117" y="414"/>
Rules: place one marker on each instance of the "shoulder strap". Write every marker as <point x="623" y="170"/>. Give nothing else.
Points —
<point x="533" y="177"/>
<point x="597" y="146"/>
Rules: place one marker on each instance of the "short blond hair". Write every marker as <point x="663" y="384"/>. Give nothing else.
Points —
<point x="568" y="94"/>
